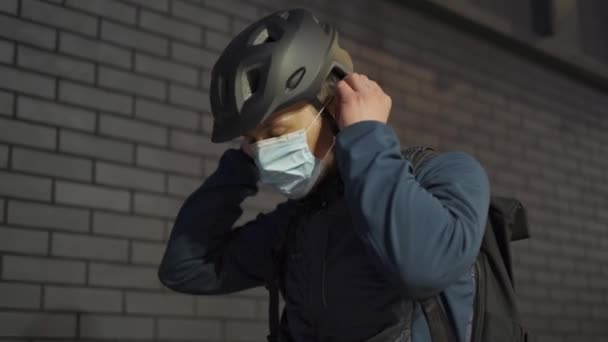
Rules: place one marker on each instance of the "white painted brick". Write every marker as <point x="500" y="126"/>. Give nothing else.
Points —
<point x="203" y="16"/>
<point x="245" y="331"/>
<point x="168" y="228"/>
<point x="154" y="205"/>
<point x="7" y="51"/>
<point x="93" y="196"/>
<point x="129" y="177"/>
<point x="47" y="216"/>
<point x="123" y="276"/>
<point x="20" y="296"/>
<point x="165" y="69"/>
<point x="27" y="82"/>
<point x="168" y="160"/>
<point x="225" y="306"/>
<point x="210" y="166"/>
<point x="193" y="98"/>
<point x="167" y="115"/>
<point x="133" y="130"/>
<point x="207" y="124"/>
<point x="24" y="133"/>
<point x="106" y="8"/>
<point x="235" y="7"/>
<point x="127" y="226"/>
<point x="183" y="186"/>
<point x="48" y="164"/>
<point x="147" y="252"/>
<point x="216" y="41"/>
<point x="256" y="292"/>
<point x="188" y="329"/>
<point x="55" y="114"/>
<point x="43" y="269"/>
<point x="197" y="143"/>
<point x="158" y="5"/>
<point x="116" y="327"/>
<point x="22" y="240"/>
<point x="19" y="30"/>
<point x="140" y="40"/>
<point x="170" y="27"/>
<point x="89" y="247"/>
<point x="7" y="103"/>
<point x="33" y="324"/>
<point x="9" y="6"/>
<point x="159" y="303"/>
<point x="95" y="146"/>
<point x="94" y="98"/>
<point x="132" y="83"/>
<point x="60" y="17"/>
<point x="82" y="299"/>
<point x="192" y="55"/>
<point x="3" y="156"/>
<point x="94" y="50"/>
<point x="23" y="186"/>
<point x="54" y="64"/>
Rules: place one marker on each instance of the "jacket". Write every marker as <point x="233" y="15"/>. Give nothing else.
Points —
<point x="372" y="239"/>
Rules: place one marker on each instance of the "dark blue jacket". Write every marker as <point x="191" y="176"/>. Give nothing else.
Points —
<point x="377" y="234"/>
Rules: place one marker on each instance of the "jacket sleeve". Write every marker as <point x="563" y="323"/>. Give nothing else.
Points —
<point x="426" y="227"/>
<point x="204" y="254"/>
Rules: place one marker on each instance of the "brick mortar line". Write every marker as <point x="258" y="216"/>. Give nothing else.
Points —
<point x="57" y="31"/>
<point x="80" y="208"/>
<point x="87" y="233"/>
<point x="105" y="136"/>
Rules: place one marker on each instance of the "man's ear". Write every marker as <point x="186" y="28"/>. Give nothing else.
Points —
<point x="329" y="112"/>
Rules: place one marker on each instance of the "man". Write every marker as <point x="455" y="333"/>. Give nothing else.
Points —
<point x="372" y="237"/>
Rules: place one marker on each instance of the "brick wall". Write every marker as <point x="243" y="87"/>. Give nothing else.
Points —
<point x="104" y="130"/>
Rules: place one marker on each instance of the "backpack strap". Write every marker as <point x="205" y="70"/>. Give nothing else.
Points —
<point x="418" y="155"/>
<point x="440" y="325"/>
<point x="273" y="311"/>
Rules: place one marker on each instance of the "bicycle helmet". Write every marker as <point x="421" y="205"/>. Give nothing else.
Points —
<point x="282" y="59"/>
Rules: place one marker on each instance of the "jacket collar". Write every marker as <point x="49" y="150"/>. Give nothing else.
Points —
<point x="328" y="190"/>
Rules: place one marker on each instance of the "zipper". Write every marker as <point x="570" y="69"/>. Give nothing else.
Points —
<point x="479" y="307"/>
<point x="323" y="297"/>
<point x="324" y="265"/>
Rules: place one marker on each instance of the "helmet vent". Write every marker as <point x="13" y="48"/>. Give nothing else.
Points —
<point x="249" y="83"/>
<point x="295" y="78"/>
<point x="221" y="89"/>
<point x="325" y="28"/>
<point x="264" y="36"/>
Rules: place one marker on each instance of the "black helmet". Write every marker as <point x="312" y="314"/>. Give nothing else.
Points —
<point x="275" y="62"/>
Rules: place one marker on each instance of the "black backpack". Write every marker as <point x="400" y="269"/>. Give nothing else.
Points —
<point x="496" y="316"/>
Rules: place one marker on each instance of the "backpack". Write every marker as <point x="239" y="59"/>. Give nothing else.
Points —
<point x="496" y="316"/>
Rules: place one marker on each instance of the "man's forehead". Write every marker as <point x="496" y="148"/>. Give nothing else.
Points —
<point x="274" y="120"/>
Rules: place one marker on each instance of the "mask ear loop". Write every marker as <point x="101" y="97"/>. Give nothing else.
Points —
<point x="334" y="141"/>
<point x="319" y="113"/>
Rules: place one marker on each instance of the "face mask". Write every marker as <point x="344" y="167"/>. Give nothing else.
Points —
<point x="286" y="163"/>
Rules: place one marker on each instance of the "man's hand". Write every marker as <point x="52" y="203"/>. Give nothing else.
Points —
<point x="358" y="98"/>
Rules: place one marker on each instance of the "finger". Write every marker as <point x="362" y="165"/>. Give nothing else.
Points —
<point x="344" y="90"/>
<point x="369" y="84"/>
<point x="374" y="85"/>
<point x="366" y="79"/>
<point x="355" y="81"/>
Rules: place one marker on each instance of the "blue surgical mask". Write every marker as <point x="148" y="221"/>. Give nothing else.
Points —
<point x="287" y="164"/>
